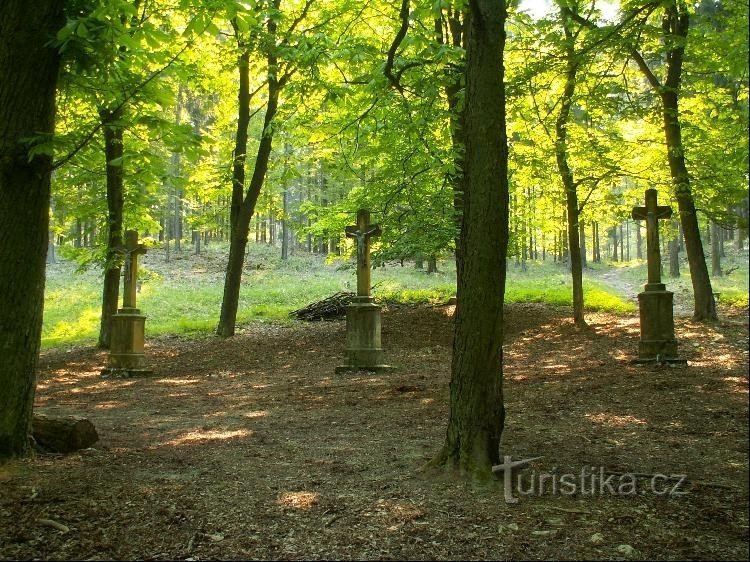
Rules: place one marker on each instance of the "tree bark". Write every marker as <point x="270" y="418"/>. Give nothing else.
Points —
<point x="582" y="238"/>
<point x="63" y="434"/>
<point x="674" y="258"/>
<point x="715" y="250"/>
<point x="113" y="152"/>
<point x="566" y="174"/>
<point x="613" y="237"/>
<point x="477" y="413"/>
<point x="675" y="26"/>
<point x="598" y="244"/>
<point x="285" y="226"/>
<point x="638" y="241"/>
<point x="432" y="264"/>
<point x="28" y="78"/>
<point x="243" y="204"/>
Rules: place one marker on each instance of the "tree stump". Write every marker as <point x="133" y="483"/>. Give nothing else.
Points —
<point x="63" y="434"/>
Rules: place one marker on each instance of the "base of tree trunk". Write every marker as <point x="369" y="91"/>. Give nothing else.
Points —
<point x="63" y="434"/>
<point x="478" y="470"/>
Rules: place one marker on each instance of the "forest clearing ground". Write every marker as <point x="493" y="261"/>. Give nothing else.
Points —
<point x="253" y="447"/>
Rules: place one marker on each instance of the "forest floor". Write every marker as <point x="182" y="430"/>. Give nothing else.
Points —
<point x="253" y="447"/>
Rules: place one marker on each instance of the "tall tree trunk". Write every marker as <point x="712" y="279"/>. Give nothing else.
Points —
<point x="455" y="26"/>
<point x="705" y="305"/>
<point x="285" y="226"/>
<point x="675" y="26"/>
<point x="113" y="153"/>
<point x="77" y="241"/>
<point x="715" y="250"/>
<point x="477" y="413"/>
<point x="674" y="258"/>
<point x="627" y="239"/>
<point x="741" y="229"/>
<point x="28" y="77"/>
<point x="177" y="213"/>
<point x="237" y="242"/>
<point x="613" y="237"/>
<point x="51" y="257"/>
<point x="566" y="175"/>
<point x="582" y="238"/>
<point x="243" y="204"/>
<point x="638" y="241"/>
<point x="432" y="264"/>
<point x="597" y="256"/>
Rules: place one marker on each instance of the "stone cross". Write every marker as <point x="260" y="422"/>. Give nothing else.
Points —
<point x="132" y="250"/>
<point x="363" y="231"/>
<point x="652" y="213"/>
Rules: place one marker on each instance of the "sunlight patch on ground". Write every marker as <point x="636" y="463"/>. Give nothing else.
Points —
<point x="738" y="384"/>
<point x="178" y="382"/>
<point x="256" y="414"/>
<point x="621" y="355"/>
<point x="613" y="420"/>
<point x="200" y="435"/>
<point x="67" y="376"/>
<point x="103" y="386"/>
<point x="402" y="511"/>
<point x="559" y="368"/>
<point x="109" y="405"/>
<point x="298" y="500"/>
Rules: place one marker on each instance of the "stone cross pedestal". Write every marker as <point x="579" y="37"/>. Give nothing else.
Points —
<point x="658" y="343"/>
<point x="363" y="348"/>
<point x="127" y="328"/>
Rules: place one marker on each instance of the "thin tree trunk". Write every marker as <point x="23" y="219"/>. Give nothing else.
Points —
<point x="566" y="174"/>
<point x="613" y="237"/>
<point x="675" y="26"/>
<point x="638" y="241"/>
<point x="77" y="241"/>
<point x="455" y="23"/>
<point x="715" y="251"/>
<point x="596" y="253"/>
<point x="284" y="226"/>
<point x="627" y="238"/>
<point x="113" y="153"/>
<point x="582" y="233"/>
<point x="432" y="264"/>
<point x="674" y="258"/>
<point x="243" y="204"/>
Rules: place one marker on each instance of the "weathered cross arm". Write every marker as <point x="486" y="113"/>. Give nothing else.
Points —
<point x="641" y="213"/>
<point x="652" y="213"/>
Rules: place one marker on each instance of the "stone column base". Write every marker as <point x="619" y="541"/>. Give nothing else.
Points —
<point x="126" y="357"/>
<point x="658" y="343"/>
<point x="363" y="348"/>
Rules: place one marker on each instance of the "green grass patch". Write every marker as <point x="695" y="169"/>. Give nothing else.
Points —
<point x="184" y="296"/>
<point x="556" y="289"/>
<point x="734" y="297"/>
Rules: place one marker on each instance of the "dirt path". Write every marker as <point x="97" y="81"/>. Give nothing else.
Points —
<point x="254" y="448"/>
<point x="614" y="277"/>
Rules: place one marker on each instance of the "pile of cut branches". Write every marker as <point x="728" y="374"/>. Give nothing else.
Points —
<point x="330" y="307"/>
